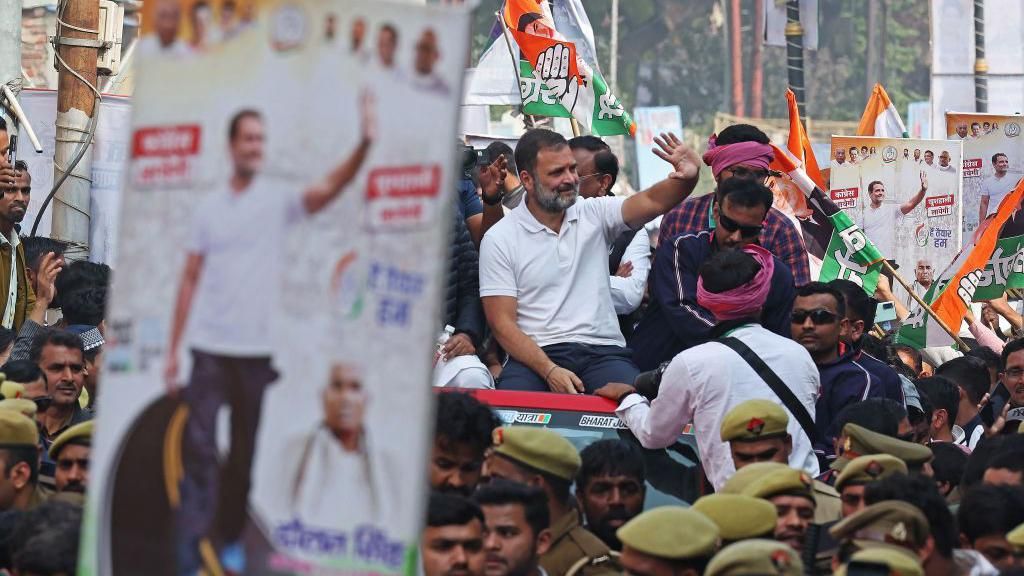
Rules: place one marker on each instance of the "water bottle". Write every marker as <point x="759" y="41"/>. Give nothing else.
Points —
<point x="449" y="331"/>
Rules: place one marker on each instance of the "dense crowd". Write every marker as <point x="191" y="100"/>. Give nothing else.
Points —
<point x="826" y="447"/>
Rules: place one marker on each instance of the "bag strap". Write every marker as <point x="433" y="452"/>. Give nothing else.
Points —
<point x="776" y="384"/>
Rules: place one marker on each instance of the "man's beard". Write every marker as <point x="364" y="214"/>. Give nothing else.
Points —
<point x="553" y="201"/>
<point x="465" y="491"/>
<point x="74" y="487"/>
<point x="606" y="532"/>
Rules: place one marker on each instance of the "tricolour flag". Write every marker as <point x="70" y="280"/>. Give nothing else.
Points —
<point x="836" y="246"/>
<point x="554" y="80"/>
<point x="985" y="267"/>
<point x="880" y="117"/>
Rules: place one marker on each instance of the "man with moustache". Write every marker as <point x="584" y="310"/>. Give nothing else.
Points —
<point x="961" y="130"/>
<point x="71" y="451"/>
<point x="610" y="487"/>
<point x="544" y="273"/>
<point x="462" y="434"/>
<point x="452" y="542"/>
<point x="15" y="289"/>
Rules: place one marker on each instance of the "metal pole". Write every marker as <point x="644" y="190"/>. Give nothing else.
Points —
<point x="613" y="66"/>
<point x="10" y="53"/>
<point x="738" y="105"/>
<point x="980" y="65"/>
<point x="757" y="53"/>
<point x="795" y="53"/>
<point x="77" y="99"/>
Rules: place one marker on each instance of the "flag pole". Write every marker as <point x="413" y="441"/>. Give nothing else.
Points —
<point x="575" y="127"/>
<point x="528" y="119"/>
<point x="956" y="337"/>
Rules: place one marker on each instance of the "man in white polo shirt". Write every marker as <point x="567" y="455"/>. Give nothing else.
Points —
<point x="229" y="283"/>
<point x="879" y="220"/>
<point x="544" y="268"/>
<point x="996" y="187"/>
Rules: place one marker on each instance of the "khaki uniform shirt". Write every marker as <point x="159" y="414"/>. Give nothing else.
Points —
<point x="26" y="298"/>
<point x="571" y="543"/>
<point x="827" y="505"/>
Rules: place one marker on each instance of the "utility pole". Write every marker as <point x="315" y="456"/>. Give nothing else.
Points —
<point x="980" y="64"/>
<point x="77" y="47"/>
<point x="10" y="49"/>
<point x="795" y="53"/>
<point x="757" y="55"/>
<point x="613" y="66"/>
<point x="873" y="57"/>
<point x="738" y="105"/>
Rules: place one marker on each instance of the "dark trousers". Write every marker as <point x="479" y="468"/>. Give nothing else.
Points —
<point x="594" y="365"/>
<point x="207" y="511"/>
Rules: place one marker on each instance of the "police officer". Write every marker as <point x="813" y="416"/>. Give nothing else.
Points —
<point x="668" y="540"/>
<point x="856" y="441"/>
<point x="542" y="458"/>
<point x="756" y="432"/>
<point x="738" y="517"/>
<point x="756" y="557"/>
<point x="859" y="473"/>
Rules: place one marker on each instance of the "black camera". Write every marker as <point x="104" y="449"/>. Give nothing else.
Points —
<point x="648" y="383"/>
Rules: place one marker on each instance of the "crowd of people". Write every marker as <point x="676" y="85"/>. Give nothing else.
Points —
<point x="826" y="447"/>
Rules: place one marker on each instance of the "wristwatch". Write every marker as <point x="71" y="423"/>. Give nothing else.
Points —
<point x="496" y="200"/>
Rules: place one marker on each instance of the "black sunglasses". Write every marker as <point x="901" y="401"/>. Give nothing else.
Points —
<point x="731" y="226"/>
<point x="818" y="317"/>
<point x="749" y="174"/>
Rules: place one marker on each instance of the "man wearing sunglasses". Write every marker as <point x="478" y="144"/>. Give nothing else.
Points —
<point x="674" y="321"/>
<point x="736" y="158"/>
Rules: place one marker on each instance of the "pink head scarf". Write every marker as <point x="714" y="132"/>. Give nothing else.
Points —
<point x="742" y="301"/>
<point x="726" y="155"/>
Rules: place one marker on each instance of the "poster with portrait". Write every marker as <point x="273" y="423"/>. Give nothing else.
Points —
<point x="903" y="193"/>
<point x="287" y="206"/>
<point x="993" y="160"/>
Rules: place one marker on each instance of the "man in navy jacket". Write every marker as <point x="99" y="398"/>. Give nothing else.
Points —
<point x="674" y="321"/>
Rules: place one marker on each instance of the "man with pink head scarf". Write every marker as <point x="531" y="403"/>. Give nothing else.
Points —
<point x="702" y="384"/>
<point x="675" y="318"/>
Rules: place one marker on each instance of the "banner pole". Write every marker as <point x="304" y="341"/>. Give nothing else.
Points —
<point x="528" y="120"/>
<point x="575" y="127"/>
<point x="923" y="304"/>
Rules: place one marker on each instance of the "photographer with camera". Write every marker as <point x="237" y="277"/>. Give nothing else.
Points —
<point x="743" y="361"/>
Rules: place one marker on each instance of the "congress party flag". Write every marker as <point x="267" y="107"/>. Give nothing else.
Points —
<point x="983" y="270"/>
<point x="554" y="79"/>
<point x="880" y="117"/>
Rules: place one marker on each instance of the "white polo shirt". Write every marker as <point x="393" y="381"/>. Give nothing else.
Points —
<point x="560" y="280"/>
<point x="241" y="237"/>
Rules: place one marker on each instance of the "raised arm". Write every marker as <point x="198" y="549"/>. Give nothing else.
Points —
<point x="982" y="209"/>
<point x="909" y="205"/>
<point x="320" y="194"/>
<point x="645" y="206"/>
<point x="492" y="190"/>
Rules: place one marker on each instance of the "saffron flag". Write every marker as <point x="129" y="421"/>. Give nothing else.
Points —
<point x="835" y="245"/>
<point x="554" y="79"/>
<point x="983" y="270"/>
<point x="880" y="117"/>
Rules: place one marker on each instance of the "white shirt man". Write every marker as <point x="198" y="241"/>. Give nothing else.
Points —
<point x="879" y="224"/>
<point x="995" y="188"/>
<point x="702" y="384"/>
<point x="628" y="292"/>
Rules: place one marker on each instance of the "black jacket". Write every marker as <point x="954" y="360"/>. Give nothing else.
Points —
<point x="463" y="309"/>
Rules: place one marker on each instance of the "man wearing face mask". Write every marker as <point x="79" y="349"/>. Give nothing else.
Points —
<point x="674" y="320"/>
<point x="338" y="454"/>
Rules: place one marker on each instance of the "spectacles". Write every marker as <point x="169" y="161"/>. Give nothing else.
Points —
<point x="1013" y="373"/>
<point x="748" y="174"/>
<point x="731" y="225"/>
<point x="818" y="316"/>
<point x="595" y="174"/>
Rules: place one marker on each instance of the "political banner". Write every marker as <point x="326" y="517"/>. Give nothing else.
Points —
<point x="281" y="251"/>
<point x="109" y="152"/>
<point x="650" y="123"/>
<point x="903" y="193"/>
<point x="993" y="160"/>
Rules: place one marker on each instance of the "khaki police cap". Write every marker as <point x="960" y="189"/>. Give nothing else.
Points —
<point x="865" y="469"/>
<point x="672" y="533"/>
<point x="26" y="407"/>
<point x="10" y="390"/>
<point x="738" y="517"/>
<point x="743" y="477"/>
<point x="899" y="562"/>
<point x="860" y="441"/>
<point x="890" y="522"/>
<point x="784" y="482"/>
<point x="1016" y="536"/>
<point x="80" y="433"/>
<point x="538" y="448"/>
<point x="16" y="429"/>
<point x="754" y="420"/>
<point x="756" y="558"/>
